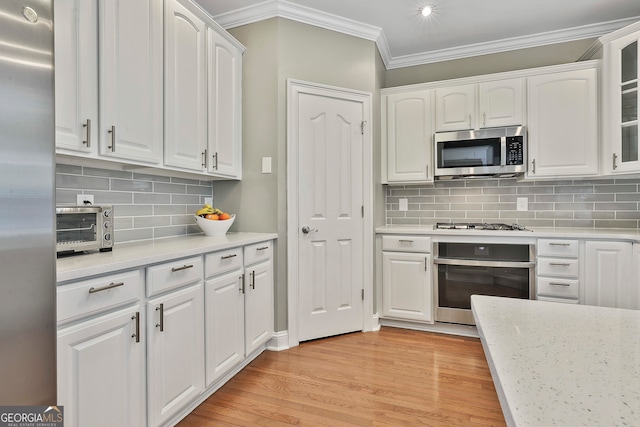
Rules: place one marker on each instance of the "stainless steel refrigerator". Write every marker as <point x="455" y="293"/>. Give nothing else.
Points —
<point x="27" y="204"/>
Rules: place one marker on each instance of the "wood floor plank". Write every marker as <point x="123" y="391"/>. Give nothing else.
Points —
<point x="394" y="377"/>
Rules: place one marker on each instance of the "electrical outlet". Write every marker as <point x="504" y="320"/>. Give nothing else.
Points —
<point x="404" y="205"/>
<point x="84" y="199"/>
<point x="522" y="204"/>
<point x="208" y="201"/>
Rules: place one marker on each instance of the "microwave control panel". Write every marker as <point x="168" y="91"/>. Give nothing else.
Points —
<point x="515" y="150"/>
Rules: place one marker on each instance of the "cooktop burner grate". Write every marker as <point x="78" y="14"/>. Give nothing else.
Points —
<point x="478" y="226"/>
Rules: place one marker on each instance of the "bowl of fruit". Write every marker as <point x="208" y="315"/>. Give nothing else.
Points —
<point x="214" y="222"/>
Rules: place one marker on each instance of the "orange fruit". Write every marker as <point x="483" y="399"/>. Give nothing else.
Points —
<point x="224" y="215"/>
<point x="212" y="216"/>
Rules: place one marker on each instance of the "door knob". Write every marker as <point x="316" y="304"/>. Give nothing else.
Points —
<point x="307" y="230"/>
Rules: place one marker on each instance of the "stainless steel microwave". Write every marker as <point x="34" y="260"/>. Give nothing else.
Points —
<point x="83" y="228"/>
<point x="484" y="152"/>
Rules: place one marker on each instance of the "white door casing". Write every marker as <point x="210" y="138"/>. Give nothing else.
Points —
<point x="329" y="190"/>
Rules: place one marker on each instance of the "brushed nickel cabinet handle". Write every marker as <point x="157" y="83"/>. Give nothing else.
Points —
<point x="484" y="119"/>
<point x="214" y="158"/>
<point x="559" y="284"/>
<point x="87" y="125"/>
<point x="252" y="283"/>
<point x="615" y="157"/>
<point x="533" y="166"/>
<point x="405" y="241"/>
<point x="241" y="283"/>
<point x="262" y="248"/>
<point x="161" y="324"/>
<point x="112" y="131"/>
<point x="136" y="317"/>
<point x="560" y="264"/>
<point x="559" y="244"/>
<point x="111" y="285"/>
<point x="184" y="267"/>
<point x="470" y="121"/>
<point x="228" y="256"/>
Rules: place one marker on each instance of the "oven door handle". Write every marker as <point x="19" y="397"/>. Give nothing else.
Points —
<point x="483" y="263"/>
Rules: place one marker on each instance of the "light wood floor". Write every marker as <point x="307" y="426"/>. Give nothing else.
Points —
<point x="395" y="377"/>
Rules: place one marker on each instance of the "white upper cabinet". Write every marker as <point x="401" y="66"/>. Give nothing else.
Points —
<point x="501" y="103"/>
<point x="455" y="108"/>
<point x="407" y="135"/>
<point x="483" y="105"/>
<point x="131" y="78"/>
<point x="225" y="107"/>
<point x="76" y="77"/>
<point x="203" y="86"/>
<point x="621" y="99"/>
<point x="185" y="88"/>
<point x="563" y="124"/>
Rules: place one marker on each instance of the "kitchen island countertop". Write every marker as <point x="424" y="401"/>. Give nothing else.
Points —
<point x="136" y="254"/>
<point x="560" y="364"/>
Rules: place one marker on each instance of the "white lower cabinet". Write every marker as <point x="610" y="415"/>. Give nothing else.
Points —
<point x="175" y="330"/>
<point x="258" y="309"/>
<point x="101" y="351"/>
<point x="124" y="360"/>
<point x="258" y="306"/>
<point x="608" y="275"/>
<point x="407" y="283"/>
<point x="101" y="370"/>
<point x="558" y="270"/>
<point x="224" y="313"/>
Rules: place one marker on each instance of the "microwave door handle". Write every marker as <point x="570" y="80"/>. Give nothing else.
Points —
<point x="503" y="150"/>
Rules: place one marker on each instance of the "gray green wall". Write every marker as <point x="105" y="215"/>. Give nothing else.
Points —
<point x="560" y="53"/>
<point x="279" y="49"/>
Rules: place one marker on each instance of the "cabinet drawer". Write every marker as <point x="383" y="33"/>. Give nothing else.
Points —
<point x="552" y="247"/>
<point x="256" y="253"/>
<point x="86" y="297"/>
<point x="173" y="274"/>
<point x="406" y="243"/>
<point x="223" y="261"/>
<point x="558" y="287"/>
<point x="558" y="267"/>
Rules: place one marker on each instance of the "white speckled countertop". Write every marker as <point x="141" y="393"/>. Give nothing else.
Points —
<point x="561" y="364"/>
<point x="536" y="232"/>
<point x="133" y="255"/>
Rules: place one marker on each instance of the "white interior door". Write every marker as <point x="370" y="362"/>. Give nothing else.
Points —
<point x="329" y="138"/>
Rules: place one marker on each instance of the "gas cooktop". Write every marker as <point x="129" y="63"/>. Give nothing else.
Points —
<point x="477" y="226"/>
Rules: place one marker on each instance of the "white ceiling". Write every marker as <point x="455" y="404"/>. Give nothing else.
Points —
<point x="456" y="29"/>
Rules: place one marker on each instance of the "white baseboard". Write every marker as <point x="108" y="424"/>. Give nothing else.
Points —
<point x="443" y="328"/>
<point x="279" y="341"/>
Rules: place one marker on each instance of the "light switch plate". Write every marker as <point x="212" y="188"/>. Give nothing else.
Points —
<point x="522" y="204"/>
<point x="404" y="205"/>
<point x="208" y="200"/>
<point x="266" y="165"/>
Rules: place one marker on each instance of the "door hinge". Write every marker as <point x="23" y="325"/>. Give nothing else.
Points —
<point x="362" y="127"/>
<point x="362" y="294"/>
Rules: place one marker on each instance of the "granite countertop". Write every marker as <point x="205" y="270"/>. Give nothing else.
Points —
<point x="535" y="232"/>
<point x="561" y="364"/>
<point x="136" y="254"/>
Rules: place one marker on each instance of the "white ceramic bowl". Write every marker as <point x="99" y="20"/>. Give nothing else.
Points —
<point x="214" y="227"/>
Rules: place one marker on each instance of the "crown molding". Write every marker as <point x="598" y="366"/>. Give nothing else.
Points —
<point x="286" y="9"/>
<point x="535" y="40"/>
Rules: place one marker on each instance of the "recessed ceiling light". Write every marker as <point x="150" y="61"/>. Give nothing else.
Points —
<point x="426" y="10"/>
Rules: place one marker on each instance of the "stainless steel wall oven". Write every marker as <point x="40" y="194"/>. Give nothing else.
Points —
<point x="464" y="269"/>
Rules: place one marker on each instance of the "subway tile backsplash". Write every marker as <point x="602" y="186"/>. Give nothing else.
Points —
<point x="592" y="203"/>
<point x="145" y="206"/>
